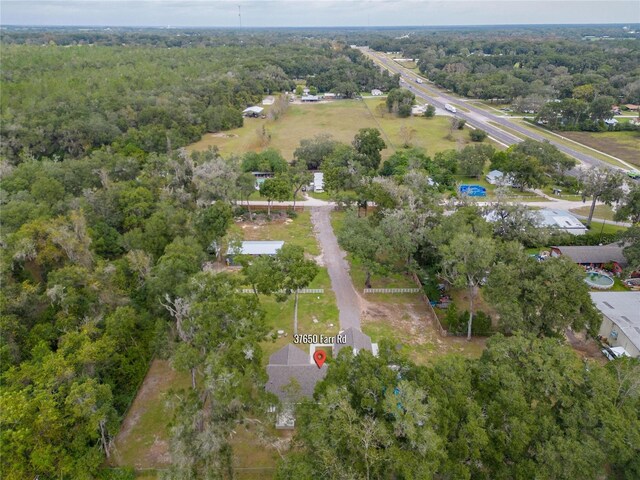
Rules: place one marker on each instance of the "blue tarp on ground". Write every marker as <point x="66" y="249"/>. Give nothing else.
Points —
<point x="473" y="190"/>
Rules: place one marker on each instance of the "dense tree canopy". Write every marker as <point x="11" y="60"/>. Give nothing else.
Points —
<point x="527" y="408"/>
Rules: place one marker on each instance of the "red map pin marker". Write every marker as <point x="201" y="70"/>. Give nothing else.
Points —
<point x="319" y="356"/>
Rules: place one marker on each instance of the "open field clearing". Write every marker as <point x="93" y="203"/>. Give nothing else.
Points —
<point x="428" y="133"/>
<point x="342" y="119"/>
<point x="142" y="441"/>
<point x="623" y="145"/>
<point x="576" y="146"/>
<point x="411" y="327"/>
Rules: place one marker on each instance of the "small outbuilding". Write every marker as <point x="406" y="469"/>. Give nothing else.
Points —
<point x="254" y="248"/>
<point x="254" y="111"/>
<point x="376" y="93"/>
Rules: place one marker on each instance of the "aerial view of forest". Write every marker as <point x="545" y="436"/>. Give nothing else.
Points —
<point x="188" y="216"/>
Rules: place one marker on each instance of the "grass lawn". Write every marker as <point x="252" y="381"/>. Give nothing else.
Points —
<point x="605" y="228"/>
<point x="429" y="133"/>
<point x="320" y="307"/>
<point x="142" y="439"/>
<point x="563" y="196"/>
<point x="298" y="231"/>
<point x="623" y="145"/>
<point x="603" y="212"/>
<point x="341" y="118"/>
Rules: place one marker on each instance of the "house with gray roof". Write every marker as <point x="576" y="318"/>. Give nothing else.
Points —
<point x="354" y="339"/>
<point x="620" y="319"/>
<point x="292" y="376"/>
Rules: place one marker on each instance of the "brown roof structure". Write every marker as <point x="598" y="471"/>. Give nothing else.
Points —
<point x="594" y="254"/>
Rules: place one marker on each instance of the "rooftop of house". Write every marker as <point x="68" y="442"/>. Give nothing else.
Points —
<point x="549" y="217"/>
<point x="354" y="339"/>
<point x="292" y="375"/>
<point x="623" y="309"/>
<point x="594" y="254"/>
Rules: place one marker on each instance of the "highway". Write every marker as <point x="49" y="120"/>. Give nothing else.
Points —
<point x="476" y="117"/>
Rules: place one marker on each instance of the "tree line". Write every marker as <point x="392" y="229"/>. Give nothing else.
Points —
<point x="137" y="99"/>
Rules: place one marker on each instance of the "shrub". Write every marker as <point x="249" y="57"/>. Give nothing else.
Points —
<point x="478" y="135"/>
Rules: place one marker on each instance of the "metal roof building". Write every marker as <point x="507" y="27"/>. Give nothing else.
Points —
<point x="621" y="319"/>
<point x="561" y="219"/>
<point x="253" y="111"/>
<point x="257" y="247"/>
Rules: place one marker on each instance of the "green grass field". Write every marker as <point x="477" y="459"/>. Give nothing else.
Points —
<point x="575" y="146"/>
<point x="341" y="119"/>
<point x="623" y="145"/>
<point x="602" y="212"/>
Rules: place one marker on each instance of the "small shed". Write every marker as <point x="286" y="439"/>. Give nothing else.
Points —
<point x="254" y="248"/>
<point x="494" y="177"/>
<point x="254" y="111"/>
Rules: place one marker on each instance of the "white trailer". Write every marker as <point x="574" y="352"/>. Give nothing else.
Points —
<point x="450" y="108"/>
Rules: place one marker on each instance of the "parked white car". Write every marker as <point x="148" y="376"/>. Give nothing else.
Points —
<point x="614" y="352"/>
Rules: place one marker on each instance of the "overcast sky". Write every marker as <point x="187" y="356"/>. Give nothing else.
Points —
<point x="267" y="13"/>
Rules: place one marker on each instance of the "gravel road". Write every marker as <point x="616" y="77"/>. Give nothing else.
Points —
<point x="346" y="296"/>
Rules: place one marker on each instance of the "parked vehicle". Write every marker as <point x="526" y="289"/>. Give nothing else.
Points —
<point x="450" y="108"/>
<point x="614" y="352"/>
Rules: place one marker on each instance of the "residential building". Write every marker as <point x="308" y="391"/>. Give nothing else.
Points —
<point x="620" y="319"/>
<point x="356" y="340"/>
<point x="596" y="256"/>
<point x="560" y="219"/>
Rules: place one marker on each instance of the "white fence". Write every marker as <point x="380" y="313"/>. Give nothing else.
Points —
<point x="302" y="290"/>
<point x="391" y="290"/>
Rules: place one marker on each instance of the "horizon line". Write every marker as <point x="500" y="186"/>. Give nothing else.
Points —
<point x="236" y="27"/>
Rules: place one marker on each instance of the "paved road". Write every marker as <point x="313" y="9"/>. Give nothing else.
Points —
<point x="476" y="117"/>
<point x="346" y="296"/>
